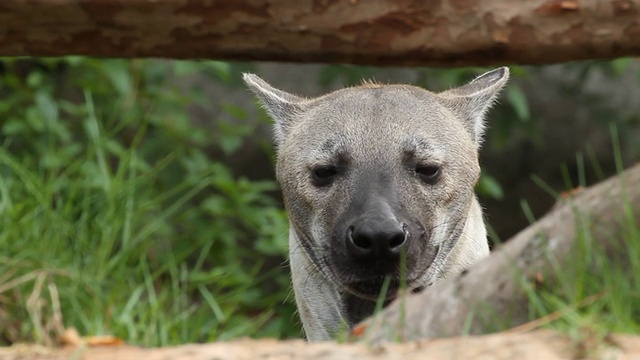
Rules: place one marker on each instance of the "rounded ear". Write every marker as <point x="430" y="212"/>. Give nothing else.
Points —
<point x="472" y="101"/>
<point x="281" y="106"/>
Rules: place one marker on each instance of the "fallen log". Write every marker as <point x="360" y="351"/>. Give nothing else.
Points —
<point x="493" y="293"/>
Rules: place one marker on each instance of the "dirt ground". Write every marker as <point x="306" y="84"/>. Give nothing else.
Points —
<point x="539" y="344"/>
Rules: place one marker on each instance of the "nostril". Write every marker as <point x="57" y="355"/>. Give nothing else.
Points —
<point x="362" y="242"/>
<point x="399" y="239"/>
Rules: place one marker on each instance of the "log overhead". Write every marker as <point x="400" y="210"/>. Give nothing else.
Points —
<point x="377" y="32"/>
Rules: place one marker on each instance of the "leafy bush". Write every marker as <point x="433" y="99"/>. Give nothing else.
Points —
<point x="114" y="219"/>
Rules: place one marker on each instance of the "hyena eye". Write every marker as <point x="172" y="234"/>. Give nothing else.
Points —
<point x="429" y="174"/>
<point x="324" y="175"/>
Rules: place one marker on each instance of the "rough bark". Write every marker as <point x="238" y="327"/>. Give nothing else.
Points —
<point x="404" y="32"/>
<point x="492" y="291"/>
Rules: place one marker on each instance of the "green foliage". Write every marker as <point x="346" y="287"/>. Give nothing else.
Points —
<point x="114" y="215"/>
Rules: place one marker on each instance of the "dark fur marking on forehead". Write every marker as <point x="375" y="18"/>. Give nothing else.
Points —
<point x="333" y="150"/>
<point x="415" y="143"/>
<point x="329" y="145"/>
<point x="420" y="148"/>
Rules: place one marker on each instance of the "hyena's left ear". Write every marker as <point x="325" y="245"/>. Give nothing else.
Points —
<point x="470" y="102"/>
<point x="281" y="106"/>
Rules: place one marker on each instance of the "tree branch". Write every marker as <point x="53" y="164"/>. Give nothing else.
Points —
<point x="380" y="32"/>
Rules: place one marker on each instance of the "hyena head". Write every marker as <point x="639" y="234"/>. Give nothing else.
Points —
<point x="378" y="180"/>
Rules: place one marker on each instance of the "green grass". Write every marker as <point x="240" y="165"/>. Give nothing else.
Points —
<point x="102" y="243"/>
<point x="116" y="223"/>
<point x="597" y="289"/>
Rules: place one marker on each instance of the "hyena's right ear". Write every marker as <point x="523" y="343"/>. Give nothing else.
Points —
<point x="281" y="106"/>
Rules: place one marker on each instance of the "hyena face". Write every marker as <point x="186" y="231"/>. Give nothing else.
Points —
<point x="378" y="182"/>
<point x="384" y="179"/>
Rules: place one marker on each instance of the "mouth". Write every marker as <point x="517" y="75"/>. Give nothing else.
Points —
<point x="386" y="288"/>
<point x="388" y="285"/>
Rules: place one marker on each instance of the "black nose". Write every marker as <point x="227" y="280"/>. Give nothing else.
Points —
<point x="376" y="238"/>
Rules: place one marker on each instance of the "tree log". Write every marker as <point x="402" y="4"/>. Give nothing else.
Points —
<point x="542" y="344"/>
<point x="492" y="291"/>
<point x="379" y="32"/>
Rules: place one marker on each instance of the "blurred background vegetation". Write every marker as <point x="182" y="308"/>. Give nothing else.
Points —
<point x="137" y="196"/>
